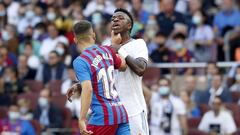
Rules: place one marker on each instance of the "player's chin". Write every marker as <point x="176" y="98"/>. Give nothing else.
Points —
<point x="116" y="31"/>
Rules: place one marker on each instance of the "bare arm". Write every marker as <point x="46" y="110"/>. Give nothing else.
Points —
<point x="138" y="65"/>
<point x="86" y="98"/>
<point x="183" y="123"/>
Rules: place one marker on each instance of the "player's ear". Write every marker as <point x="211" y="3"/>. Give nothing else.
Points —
<point x="75" y="40"/>
<point x="129" y="25"/>
<point x="94" y="36"/>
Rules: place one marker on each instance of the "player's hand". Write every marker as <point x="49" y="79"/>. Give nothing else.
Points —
<point x="72" y="90"/>
<point x="116" y="39"/>
<point x="83" y="128"/>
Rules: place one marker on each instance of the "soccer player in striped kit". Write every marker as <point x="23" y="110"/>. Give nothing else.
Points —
<point x="94" y="70"/>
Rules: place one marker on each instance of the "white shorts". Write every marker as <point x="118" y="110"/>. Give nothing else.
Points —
<point x="138" y="124"/>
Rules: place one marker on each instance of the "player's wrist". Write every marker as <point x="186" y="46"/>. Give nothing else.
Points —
<point x="122" y="52"/>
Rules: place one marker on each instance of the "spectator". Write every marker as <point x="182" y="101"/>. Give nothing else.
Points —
<point x="24" y="109"/>
<point x="30" y="19"/>
<point x="62" y="50"/>
<point x="14" y="125"/>
<point x="68" y="82"/>
<point x="161" y="54"/>
<point x="48" y="114"/>
<point x="236" y="86"/>
<point x="192" y="91"/>
<point x="11" y="83"/>
<point x="217" y="120"/>
<point x="9" y="36"/>
<point x="226" y="19"/>
<point x="5" y="99"/>
<point x="2" y="65"/>
<point x="54" y="69"/>
<point x="192" y="110"/>
<point x="180" y="52"/>
<point x="12" y="11"/>
<point x="202" y="43"/>
<point x="32" y="60"/>
<point x="168" y="114"/>
<point x="3" y="15"/>
<point x="141" y="14"/>
<point x="24" y="71"/>
<point x="39" y="32"/>
<point x="9" y="59"/>
<point x="52" y="14"/>
<point x="194" y="7"/>
<point x="50" y="43"/>
<point x="151" y="30"/>
<point x="28" y="39"/>
<point x="104" y="6"/>
<point x="216" y="90"/>
<point x="168" y="17"/>
<point x="211" y="70"/>
<point x="227" y="16"/>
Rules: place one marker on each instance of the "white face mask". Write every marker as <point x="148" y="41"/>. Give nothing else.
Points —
<point x="60" y="50"/>
<point x="196" y="19"/>
<point x="2" y="13"/>
<point x="164" y="90"/>
<point x="23" y="110"/>
<point x="36" y="34"/>
<point x="5" y="35"/>
<point x="237" y="77"/>
<point x="14" y="115"/>
<point x="30" y="14"/>
<point x="51" y="16"/>
<point x="43" y="102"/>
<point x="178" y="46"/>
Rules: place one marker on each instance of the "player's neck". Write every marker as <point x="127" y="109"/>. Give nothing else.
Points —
<point x="84" y="46"/>
<point x="125" y="38"/>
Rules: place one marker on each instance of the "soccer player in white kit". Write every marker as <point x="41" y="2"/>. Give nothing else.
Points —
<point x="129" y="83"/>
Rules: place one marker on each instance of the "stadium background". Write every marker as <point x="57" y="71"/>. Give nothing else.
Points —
<point x="36" y="36"/>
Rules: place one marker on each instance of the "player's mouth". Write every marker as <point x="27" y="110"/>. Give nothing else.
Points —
<point x="115" y="26"/>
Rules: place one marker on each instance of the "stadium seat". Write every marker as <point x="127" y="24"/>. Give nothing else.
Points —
<point x="67" y="116"/>
<point x="75" y="127"/>
<point x="196" y="132"/>
<point x="151" y="76"/>
<point x="204" y="108"/>
<point x="193" y="123"/>
<point x="34" y="86"/>
<point x="235" y="112"/>
<point x="36" y="125"/>
<point x="55" y="87"/>
<point x="3" y="112"/>
<point x="59" y="100"/>
<point x="33" y="97"/>
<point x="235" y="96"/>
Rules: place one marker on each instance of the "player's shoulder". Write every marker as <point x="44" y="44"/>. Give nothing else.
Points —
<point x="140" y="41"/>
<point x="79" y="61"/>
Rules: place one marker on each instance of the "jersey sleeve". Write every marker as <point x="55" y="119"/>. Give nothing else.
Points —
<point x="141" y="49"/>
<point x="116" y="59"/>
<point x="82" y="70"/>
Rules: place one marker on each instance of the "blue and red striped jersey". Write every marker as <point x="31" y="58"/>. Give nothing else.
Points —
<point x="97" y="63"/>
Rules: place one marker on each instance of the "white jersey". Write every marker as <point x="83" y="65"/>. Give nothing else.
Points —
<point x="129" y="84"/>
<point x="223" y="123"/>
<point x="165" y="115"/>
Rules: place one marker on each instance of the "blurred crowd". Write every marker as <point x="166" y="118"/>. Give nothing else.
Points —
<point x="37" y="49"/>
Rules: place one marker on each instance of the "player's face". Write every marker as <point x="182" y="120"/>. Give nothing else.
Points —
<point x="120" y="22"/>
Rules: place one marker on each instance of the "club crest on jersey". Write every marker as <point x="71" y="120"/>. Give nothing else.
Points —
<point x="99" y="58"/>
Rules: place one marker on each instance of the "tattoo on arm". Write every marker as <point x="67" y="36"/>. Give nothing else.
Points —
<point x="138" y="65"/>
